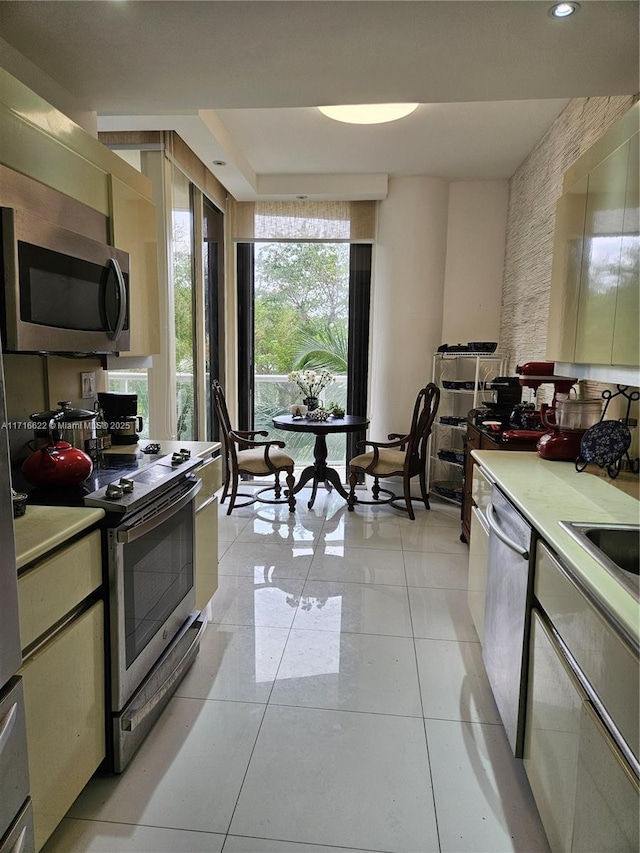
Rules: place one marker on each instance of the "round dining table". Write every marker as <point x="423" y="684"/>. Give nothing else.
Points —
<point x="320" y="472"/>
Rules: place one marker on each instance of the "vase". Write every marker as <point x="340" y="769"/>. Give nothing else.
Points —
<point x="311" y="403"/>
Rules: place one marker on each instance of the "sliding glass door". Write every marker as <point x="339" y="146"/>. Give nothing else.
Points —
<point x="302" y="305"/>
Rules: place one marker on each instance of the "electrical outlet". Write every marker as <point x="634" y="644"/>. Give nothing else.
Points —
<point x="88" y="385"/>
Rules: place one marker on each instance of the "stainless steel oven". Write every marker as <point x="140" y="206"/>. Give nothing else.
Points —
<point x="154" y="631"/>
<point x="63" y="292"/>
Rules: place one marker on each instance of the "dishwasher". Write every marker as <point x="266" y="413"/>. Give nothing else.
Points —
<point x="506" y="613"/>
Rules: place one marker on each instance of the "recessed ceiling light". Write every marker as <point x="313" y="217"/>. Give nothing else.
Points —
<point x="368" y="113"/>
<point x="302" y="197"/>
<point x="563" y="10"/>
<point x="219" y="162"/>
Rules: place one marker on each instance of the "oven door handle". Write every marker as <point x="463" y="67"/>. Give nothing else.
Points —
<point x="125" y="535"/>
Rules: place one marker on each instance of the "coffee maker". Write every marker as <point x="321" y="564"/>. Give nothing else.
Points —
<point x="121" y="416"/>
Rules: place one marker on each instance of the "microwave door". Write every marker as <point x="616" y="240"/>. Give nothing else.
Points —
<point x="63" y="292"/>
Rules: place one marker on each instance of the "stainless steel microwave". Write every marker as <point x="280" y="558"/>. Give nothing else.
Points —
<point x="63" y="292"/>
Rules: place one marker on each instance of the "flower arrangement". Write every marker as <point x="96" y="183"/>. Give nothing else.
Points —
<point x="311" y="382"/>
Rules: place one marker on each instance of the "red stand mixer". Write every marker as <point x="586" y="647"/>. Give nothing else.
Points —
<point x="566" y="418"/>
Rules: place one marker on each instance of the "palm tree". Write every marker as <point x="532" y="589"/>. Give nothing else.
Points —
<point x="326" y="350"/>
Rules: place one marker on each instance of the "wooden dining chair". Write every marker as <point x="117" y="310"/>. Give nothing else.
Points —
<point x="401" y="456"/>
<point x="245" y="455"/>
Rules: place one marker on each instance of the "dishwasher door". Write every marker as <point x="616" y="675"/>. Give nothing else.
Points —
<point x="506" y="628"/>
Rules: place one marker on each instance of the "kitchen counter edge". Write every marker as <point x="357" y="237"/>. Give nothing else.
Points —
<point x="44" y="528"/>
<point x="549" y="492"/>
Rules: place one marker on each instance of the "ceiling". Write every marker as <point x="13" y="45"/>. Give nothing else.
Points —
<point x="239" y="80"/>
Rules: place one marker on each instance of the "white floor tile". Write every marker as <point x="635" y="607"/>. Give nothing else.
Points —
<point x="358" y="565"/>
<point x="235" y="663"/>
<point x="440" y="539"/>
<point x="454" y="683"/>
<point x="364" y="532"/>
<point x="447" y="571"/>
<point x="350" y="672"/>
<point x="434" y="517"/>
<point x="187" y="774"/>
<point x="347" y="779"/>
<point x="441" y="614"/>
<point x="279" y="531"/>
<point x="483" y="801"/>
<point x="237" y="844"/>
<point x="241" y="601"/>
<point x="90" y="836"/>
<point x="229" y="526"/>
<point x="267" y="563"/>
<point x="354" y="607"/>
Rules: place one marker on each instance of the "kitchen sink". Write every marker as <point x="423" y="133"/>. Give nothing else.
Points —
<point x="614" y="546"/>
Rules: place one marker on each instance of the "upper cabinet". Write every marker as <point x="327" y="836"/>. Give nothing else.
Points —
<point x="593" y="317"/>
<point x="40" y="142"/>
<point x="133" y="229"/>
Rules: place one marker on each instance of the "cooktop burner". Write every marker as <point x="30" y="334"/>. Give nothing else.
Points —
<point x="123" y="489"/>
<point x="109" y="469"/>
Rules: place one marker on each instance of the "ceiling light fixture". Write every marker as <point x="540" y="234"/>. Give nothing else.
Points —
<point x="219" y="162"/>
<point x="368" y="113"/>
<point x="563" y="10"/>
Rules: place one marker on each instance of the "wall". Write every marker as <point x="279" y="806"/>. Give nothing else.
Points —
<point x="533" y="192"/>
<point x="35" y="383"/>
<point x="476" y="231"/>
<point x="36" y="79"/>
<point x="408" y="292"/>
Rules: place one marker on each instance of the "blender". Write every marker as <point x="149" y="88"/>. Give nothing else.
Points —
<point x="566" y="418"/>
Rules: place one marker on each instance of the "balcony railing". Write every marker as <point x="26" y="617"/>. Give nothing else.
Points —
<point x="273" y="396"/>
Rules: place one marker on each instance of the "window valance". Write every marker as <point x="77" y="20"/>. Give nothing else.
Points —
<point x="346" y="221"/>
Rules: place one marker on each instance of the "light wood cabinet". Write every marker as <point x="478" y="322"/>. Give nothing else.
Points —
<point x="554" y="708"/>
<point x="49" y="589"/>
<point x="63" y="675"/>
<point x="601" y="259"/>
<point x="206" y="575"/>
<point x="64" y="700"/>
<point x="581" y="733"/>
<point x="593" y="310"/>
<point x="566" y="270"/>
<point x="626" y="344"/>
<point x="40" y="142"/>
<point x="606" y="815"/>
<point x="133" y="229"/>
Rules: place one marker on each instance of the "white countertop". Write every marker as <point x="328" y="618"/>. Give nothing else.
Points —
<point x="548" y="492"/>
<point x="43" y="528"/>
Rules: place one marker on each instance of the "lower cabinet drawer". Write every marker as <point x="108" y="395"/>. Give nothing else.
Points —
<point x="552" y="735"/>
<point x="64" y="704"/>
<point x="19" y="838"/>
<point x="52" y="587"/>
<point x="610" y="666"/>
<point x="14" y="771"/>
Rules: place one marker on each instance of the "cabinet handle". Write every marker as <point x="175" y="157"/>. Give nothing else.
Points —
<point x="502" y="536"/>
<point x="18" y="847"/>
<point x="7" y="724"/>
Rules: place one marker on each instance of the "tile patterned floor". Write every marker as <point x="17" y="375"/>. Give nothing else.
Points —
<point x="339" y="703"/>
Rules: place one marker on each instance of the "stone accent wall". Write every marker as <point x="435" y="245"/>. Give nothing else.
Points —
<point x="533" y="192"/>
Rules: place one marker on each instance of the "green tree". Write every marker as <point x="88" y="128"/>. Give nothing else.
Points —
<point x="301" y="303"/>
